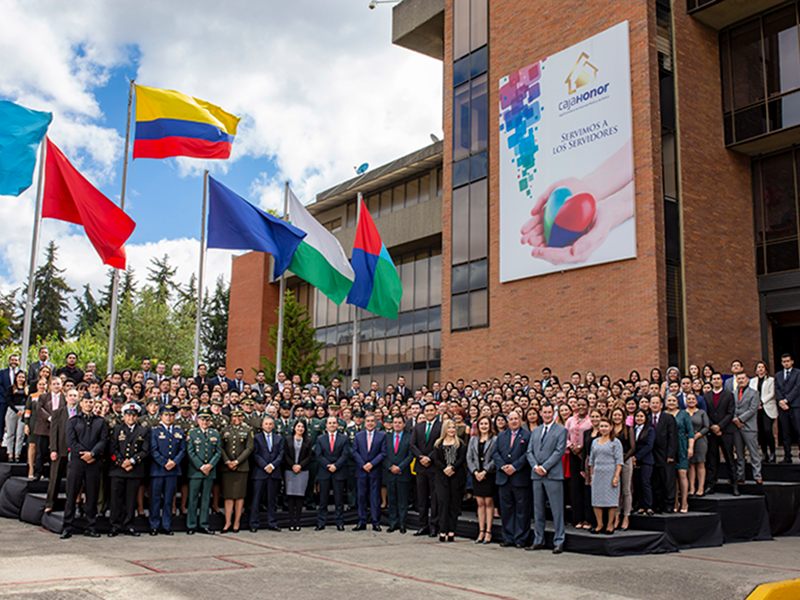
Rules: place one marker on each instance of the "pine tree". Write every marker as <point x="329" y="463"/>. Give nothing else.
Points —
<point x="214" y="331"/>
<point x="88" y="310"/>
<point x="50" y="301"/>
<point x="301" y="350"/>
<point x="10" y="319"/>
<point x="161" y="275"/>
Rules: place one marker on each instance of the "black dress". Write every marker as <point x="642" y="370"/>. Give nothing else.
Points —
<point x="485" y="488"/>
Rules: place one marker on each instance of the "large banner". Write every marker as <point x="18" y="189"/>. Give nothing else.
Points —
<point x="566" y="160"/>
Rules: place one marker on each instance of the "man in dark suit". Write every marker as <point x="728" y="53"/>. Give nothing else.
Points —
<point x="167" y="447"/>
<point x="425" y="433"/>
<point x="36" y="366"/>
<point x="397" y="474"/>
<point x="333" y="450"/>
<point x="369" y="450"/>
<point x="47" y="404"/>
<point x="220" y="378"/>
<point x="402" y="389"/>
<point x="164" y="395"/>
<point x="58" y="446"/>
<point x="267" y="455"/>
<point x="7" y="381"/>
<point x="665" y="452"/>
<point x="201" y="378"/>
<point x="87" y="436"/>
<point x="721" y="409"/>
<point x="787" y="393"/>
<point x="514" y="481"/>
<point x="129" y="446"/>
<point x="545" y="450"/>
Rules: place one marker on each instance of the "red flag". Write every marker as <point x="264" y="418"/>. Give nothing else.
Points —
<point x="68" y="196"/>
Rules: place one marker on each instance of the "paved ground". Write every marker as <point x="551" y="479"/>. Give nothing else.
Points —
<point x="330" y="565"/>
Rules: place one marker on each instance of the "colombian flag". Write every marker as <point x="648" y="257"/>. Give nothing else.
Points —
<point x="169" y="123"/>
<point x="377" y="286"/>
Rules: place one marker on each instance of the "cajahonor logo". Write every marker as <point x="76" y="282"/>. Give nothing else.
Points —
<point x="583" y="73"/>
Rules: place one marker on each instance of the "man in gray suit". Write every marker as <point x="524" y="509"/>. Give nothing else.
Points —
<point x="36" y="366"/>
<point x="746" y="401"/>
<point x="547" y="445"/>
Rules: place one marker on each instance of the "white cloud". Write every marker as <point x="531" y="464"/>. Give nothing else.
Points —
<point x="318" y="84"/>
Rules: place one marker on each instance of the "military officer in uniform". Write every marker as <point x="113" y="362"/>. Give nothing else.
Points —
<point x="285" y="423"/>
<point x="250" y="416"/>
<point x="204" y="448"/>
<point x="219" y="421"/>
<point x="237" y="445"/>
<point x="184" y="421"/>
<point x="151" y="418"/>
<point x="167" y="447"/>
<point x="129" y="445"/>
<point x="261" y="404"/>
<point x="351" y="431"/>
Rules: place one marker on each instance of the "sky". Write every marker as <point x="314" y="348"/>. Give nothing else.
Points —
<point x="318" y="84"/>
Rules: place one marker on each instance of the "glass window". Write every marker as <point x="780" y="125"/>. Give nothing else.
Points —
<point x="424" y="188"/>
<point x="374" y="205"/>
<point x="436" y="279"/>
<point x="460" y="279"/>
<point x="332" y="311"/>
<point x="461" y="120"/>
<point x="725" y="59"/>
<point x="365" y="355"/>
<point x="784" y="112"/>
<point x="478" y="166"/>
<point x="460" y="233"/>
<point x="478" y="62"/>
<point x="435" y="345"/>
<point x="391" y="351"/>
<point x="781" y="51"/>
<point x="412" y="192"/>
<point x="479" y="308"/>
<point x="421" y="283"/>
<point x="758" y="204"/>
<point x="435" y="317"/>
<point x="407" y="349"/>
<point x="386" y="203"/>
<point x="336" y="225"/>
<point x="746" y="64"/>
<point x="320" y="310"/>
<point x="479" y="114"/>
<point x="352" y="215"/>
<point x="478" y="23"/>
<point x="420" y="347"/>
<point x="750" y="122"/>
<point x="391" y="327"/>
<point x="782" y="257"/>
<point x="420" y="320"/>
<point x="407" y="278"/>
<point x="670" y="177"/>
<point x="398" y="197"/>
<point x="439" y="183"/>
<point x="461" y="71"/>
<point x="478" y="274"/>
<point x="459" y="312"/>
<point x="780" y="212"/>
<point x="461" y="172"/>
<point x="478" y="215"/>
<point x="406" y="323"/>
<point x="378" y="353"/>
<point x="379" y="327"/>
<point x="461" y="27"/>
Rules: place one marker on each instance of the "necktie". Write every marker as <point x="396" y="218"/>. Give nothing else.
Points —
<point x="56" y="399"/>
<point x="513" y="437"/>
<point x="735" y="384"/>
<point x="740" y="395"/>
<point x="655" y="420"/>
<point x="369" y="441"/>
<point x="428" y="431"/>
<point x="785" y="374"/>
<point x="269" y="442"/>
<point x="544" y="434"/>
<point x="396" y="442"/>
<point x="333" y="440"/>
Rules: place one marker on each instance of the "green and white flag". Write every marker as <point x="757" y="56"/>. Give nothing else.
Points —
<point x="319" y="258"/>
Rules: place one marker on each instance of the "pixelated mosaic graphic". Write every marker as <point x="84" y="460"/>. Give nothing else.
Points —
<point x="520" y="111"/>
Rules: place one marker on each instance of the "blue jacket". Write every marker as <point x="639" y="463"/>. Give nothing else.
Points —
<point x="164" y="447"/>
<point x="264" y="457"/>
<point x="644" y="446"/>
<point x="515" y="456"/>
<point x="376" y="454"/>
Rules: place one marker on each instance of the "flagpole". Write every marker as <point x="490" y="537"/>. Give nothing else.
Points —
<point x="200" y="277"/>
<point x="356" y="332"/>
<point x="112" y="326"/>
<point x="37" y="221"/>
<point x="282" y="292"/>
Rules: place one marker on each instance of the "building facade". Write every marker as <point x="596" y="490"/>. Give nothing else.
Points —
<point x="715" y="120"/>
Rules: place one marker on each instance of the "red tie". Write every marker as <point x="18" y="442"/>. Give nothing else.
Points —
<point x="396" y="442"/>
<point x="332" y="439"/>
<point x="741" y="391"/>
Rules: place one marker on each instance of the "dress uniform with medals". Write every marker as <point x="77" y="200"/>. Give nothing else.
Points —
<point x="285" y="423"/>
<point x="203" y="447"/>
<point x="151" y="419"/>
<point x="237" y="445"/>
<point x="167" y="443"/>
<point x="185" y="422"/>
<point x="219" y="421"/>
<point x="129" y="446"/>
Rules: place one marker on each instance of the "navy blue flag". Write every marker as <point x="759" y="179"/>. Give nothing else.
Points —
<point x="235" y="224"/>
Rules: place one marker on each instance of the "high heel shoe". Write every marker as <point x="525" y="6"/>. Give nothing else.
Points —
<point x="451" y="537"/>
<point x="488" y="538"/>
<point x="442" y="537"/>
<point x="481" y="536"/>
<point x="226" y="530"/>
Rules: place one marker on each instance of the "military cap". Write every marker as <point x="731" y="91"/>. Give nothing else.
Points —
<point x="308" y="404"/>
<point x="285" y="405"/>
<point x="204" y="413"/>
<point x="358" y="413"/>
<point x="119" y="399"/>
<point x="237" y="412"/>
<point x="248" y="401"/>
<point x="216" y="402"/>
<point x="369" y="406"/>
<point x="131" y="408"/>
<point x="168" y="409"/>
<point x="259" y="399"/>
<point x="154" y="401"/>
<point x="185" y="406"/>
<point x="333" y="405"/>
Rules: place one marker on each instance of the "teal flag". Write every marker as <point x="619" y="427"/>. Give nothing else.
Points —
<point x="21" y="130"/>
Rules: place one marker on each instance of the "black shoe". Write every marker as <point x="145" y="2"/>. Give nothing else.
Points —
<point x="432" y="533"/>
<point x="533" y="547"/>
<point x="360" y="527"/>
<point x="518" y="545"/>
<point x="708" y="491"/>
<point x="319" y="527"/>
<point x="505" y="544"/>
<point x="391" y="529"/>
<point x="273" y="528"/>
<point x="402" y="529"/>
<point x="204" y="530"/>
<point x="91" y="533"/>
<point x="235" y="530"/>
<point x="771" y="458"/>
<point x="376" y="528"/>
<point x="154" y="532"/>
<point x="166" y="532"/>
<point x="254" y="530"/>
<point x="558" y="550"/>
<point x="190" y="532"/>
<point x="423" y="531"/>
<point x="787" y="460"/>
<point x="340" y="528"/>
<point x="66" y="534"/>
<point x="113" y="533"/>
<point x="131" y="532"/>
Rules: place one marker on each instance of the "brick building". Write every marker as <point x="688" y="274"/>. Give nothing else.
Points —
<point x="715" y="111"/>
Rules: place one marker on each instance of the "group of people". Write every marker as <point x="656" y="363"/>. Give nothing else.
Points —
<point x="599" y="448"/>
